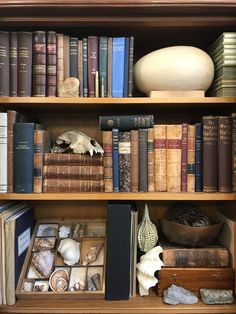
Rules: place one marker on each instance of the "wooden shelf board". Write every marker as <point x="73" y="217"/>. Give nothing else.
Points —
<point x="92" y="196"/>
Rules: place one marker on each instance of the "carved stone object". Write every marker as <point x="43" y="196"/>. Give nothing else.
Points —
<point x="179" y="295"/>
<point x="216" y="296"/>
<point x="69" y="88"/>
<point x="174" y="68"/>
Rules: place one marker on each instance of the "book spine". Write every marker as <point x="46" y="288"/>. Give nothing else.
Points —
<point x="126" y="68"/>
<point x="107" y="160"/>
<point x="173" y="157"/>
<point x="184" y="157"/>
<point x="60" y="60"/>
<point x="134" y="159"/>
<point x="85" y="67"/>
<point x="66" y="55"/>
<point x="11" y="118"/>
<point x="143" y="166"/>
<point x="103" y="54"/>
<point x="38" y="160"/>
<point x="131" y="66"/>
<point x="3" y="152"/>
<point x="210" y="153"/>
<point x="191" y="158"/>
<point x="73" y="57"/>
<point x="109" y="67"/>
<point x="124" y="161"/>
<point x="73" y="172"/>
<point x="73" y="159"/>
<point x="51" y="69"/>
<point x="126" y="122"/>
<point x="13" y="63"/>
<point x="39" y="64"/>
<point x="92" y="63"/>
<point x="4" y="64"/>
<point x="159" y="132"/>
<point x="150" y="160"/>
<point x="224" y="154"/>
<point x="115" y="159"/>
<point x="118" y="62"/>
<point x="80" y="68"/>
<point x="24" y="84"/>
<point x="72" y="185"/>
<point x="233" y="115"/>
<point x="23" y="151"/>
<point x="198" y="158"/>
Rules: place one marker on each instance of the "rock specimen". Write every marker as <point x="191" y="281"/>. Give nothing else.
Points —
<point x="216" y="296"/>
<point x="69" y="88"/>
<point x="179" y="295"/>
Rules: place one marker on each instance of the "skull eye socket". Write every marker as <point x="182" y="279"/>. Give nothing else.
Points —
<point x="93" y="142"/>
<point x="63" y="144"/>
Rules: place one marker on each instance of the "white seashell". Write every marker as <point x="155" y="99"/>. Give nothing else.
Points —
<point x="146" y="268"/>
<point x="70" y="250"/>
<point x="174" y="68"/>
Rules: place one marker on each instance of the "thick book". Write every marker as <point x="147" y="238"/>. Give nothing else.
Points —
<point x="73" y="57"/>
<point x="18" y="232"/>
<point x="150" y="160"/>
<point x="51" y="68"/>
<point x="60" y="60"/>
<point x="198" y="158"/>
<point x="224" y="154"/>
<point x="85" y="67"/>
<point x="173" y="157"/>
<point x="134" y="160"/>
<point x="191" y="158"/>
<point x="3" y="152"/>
<point x="210" y="153"/>
<point x="103" y="56"/>
<point x="160" y="157"/>
<point x="117" y="282"/>
<point x="143" y="159"/>
<point x="13" y="63"/>
<point x="233" y="115"/>
<point x="73" y="159"/>
<point x="24" y="75"/>
<point x="118" y="65"/>
<point x="66" y="55"/>
<point x="126" y="122"/>
<point x="92" y="63"/>
<point x="131" y="66"/>
<point x="107" y="160"/>
<point x="184" y="157"/>
<point x="115" y="160"/>
<point x="80" y="67"/>
<point x="72" y="185"/>
<point x="4" y="64"/>
<point x="124" y="161"/>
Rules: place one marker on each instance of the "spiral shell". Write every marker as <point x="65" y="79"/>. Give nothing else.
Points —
<point x="58" y="280"/>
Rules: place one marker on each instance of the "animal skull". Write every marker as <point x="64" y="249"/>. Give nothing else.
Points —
<point x="78" y="142"/>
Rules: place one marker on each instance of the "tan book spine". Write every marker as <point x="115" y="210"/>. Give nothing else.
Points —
<point x="159" y="133"/>
<point x="66" y="58"/>
<point x="73" y="159"/>
<point x="72" y="185"/>
<point x="134" y="159"/>
<point x="107" y="161"/>
<point x="173" y="157"/>
<point x="150" y="153"/>
<point x="191" y="158"/>
<point x="60" y="59"/>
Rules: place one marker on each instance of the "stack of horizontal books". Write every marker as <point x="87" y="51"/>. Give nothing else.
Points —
<point x="223" y="54"/>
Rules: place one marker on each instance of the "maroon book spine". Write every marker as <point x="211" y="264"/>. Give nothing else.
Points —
<point x="184" y="157"/>
<point x="234" y="151"/>
<point x="13" y="63"/>
<point x="51" y="67"/>
<point x="4" y="63"/>
<point x="39" y="64"/>
<point x="92" y="63"/>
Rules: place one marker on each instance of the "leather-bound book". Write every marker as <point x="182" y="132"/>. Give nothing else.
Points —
<point x="224" y="154"/>
<point x="124" y="161"/>
<point x="66" y="55"/>
<point x="24" y="84"/>
<point x="103" y="54"/>
<point x="173" y="157"/>
<point x="39" y="63"/>
<point x="107" y="160"/>
<point x="92" y="63"/>
<point x="134" y="159"/>
<point x="73" y="159"/>
<point x="198" y="158"/>
<point x="13" y="63"/>
<point x="109" y="67"/>
<point x="210" y="153"/>
<point x="150" y="160"/>
<point x="115" y="160"/>
<point x="3" y="152"/>
<point x="184" y="157"/>
<point x="60" y="60"/>
<point x="234" y="152"/>
<point x="73" y="57"/>
<point x="51" y="69"/>
<point x="80" y="68"/>
<point x="4" y="63"/>
<point x="191" y="158"/>
<point x="143" y="165"/>
<point x="160" y="157"/>
<point x="72" y="185"/>
<point x="85" y="67"/>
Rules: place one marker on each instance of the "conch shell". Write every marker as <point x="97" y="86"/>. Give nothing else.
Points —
<point x="70" y="250"/>
<point x="43" y="263"/>
<point x="58" y="280"/>
<point x="92" y="255"/>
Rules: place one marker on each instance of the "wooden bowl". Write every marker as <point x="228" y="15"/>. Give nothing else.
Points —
<point x="190" y="236"/>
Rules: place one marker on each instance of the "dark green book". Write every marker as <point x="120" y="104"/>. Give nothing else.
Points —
<point x="73" y="57"/>
<point x="103" y="55"/>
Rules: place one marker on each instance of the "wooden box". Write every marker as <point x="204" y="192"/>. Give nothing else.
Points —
<point x="84" y="279"/>
<point x="195" y="278"/>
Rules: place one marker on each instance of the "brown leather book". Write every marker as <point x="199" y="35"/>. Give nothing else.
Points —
<point x="224" y="154"/>
<point x="134" y="159"/>
<point x="210" y="153"/>
<point x="143" y="166"/>
<point x="73" y="159"/>
<point x="184" y="157"/>
<point x="60" y="59"/>
<point x="24" y="84"/>
<point x="233" y="115"/>
<point x="66" y="55"/>
<point x="150" y="160"/>
<point x="191" y="158"/>
<point x="72" y="185"/>
<point x="4" y="64"/>
<point x="92" y="63"/>
<point x="51" y="69"/>
<point x="80" y="67"/>
<point x="173" y="157"/>
<point x="124" y="161"/>
<point x="107" y="160"/>
<point x="13" y="63"/>
<point x="160" y="157"/>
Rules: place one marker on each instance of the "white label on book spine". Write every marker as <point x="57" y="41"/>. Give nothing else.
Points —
<point x="23" y="241"/>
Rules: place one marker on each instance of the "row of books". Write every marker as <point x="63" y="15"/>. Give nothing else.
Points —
<point x="172" y="158"/>
<point x="36" y="63"/>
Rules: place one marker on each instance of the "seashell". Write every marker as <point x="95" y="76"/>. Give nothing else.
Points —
<point x="43" y="244"/>
<point x="91" y="286"/>
<point x="70" y="251"/>
<point x="92" y="254"/>
<point x="64" y="231"/>
<point x="58" y="280"/>
<point x="28" y="286"/>
<point x="41" y="286"/>
<point x="146" y="268"/>
<point x="43" y="262"/>
<point x="147" y="232"/>
<point x="96" y="279"/>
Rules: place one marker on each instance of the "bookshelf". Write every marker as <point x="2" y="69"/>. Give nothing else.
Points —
<point x="154" y="24"/>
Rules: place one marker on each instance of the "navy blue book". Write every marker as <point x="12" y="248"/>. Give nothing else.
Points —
<point x="198" y="158"/>
<point x="117" y="285"/>
<point x="23" y="157"/>
<point x="115" y="160"/>
<point x="73" y="57"/>
<point x="85" y="67"/>
<point x="118" y="62"/>
<point x="126" y="68"/>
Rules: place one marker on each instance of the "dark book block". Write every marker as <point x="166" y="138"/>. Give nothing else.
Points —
<point x="51" y="67"/>
<point x="126" y="68"/>
<point x="117" y="283"/>
<point x="13" y="63"/>
<point x="143" y="165"/>
<point x="39" y="63"/>
<point x="198" y="158"/>
<point x="4" y="63"/>
<point x="73" y="57"/>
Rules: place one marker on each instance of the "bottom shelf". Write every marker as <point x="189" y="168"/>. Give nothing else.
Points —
<point x="149" y="304"/>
